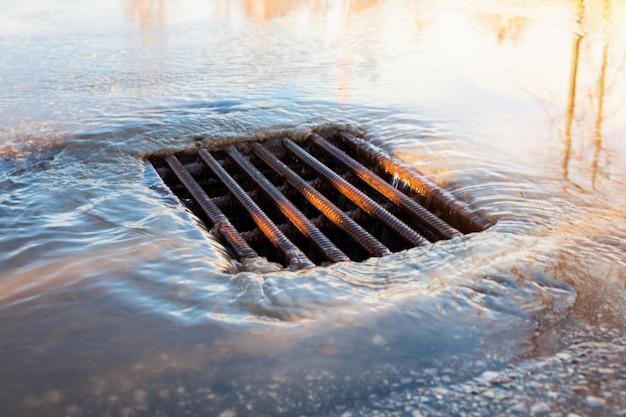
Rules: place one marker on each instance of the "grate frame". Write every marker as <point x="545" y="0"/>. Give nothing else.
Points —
<point x="308" y="200"/>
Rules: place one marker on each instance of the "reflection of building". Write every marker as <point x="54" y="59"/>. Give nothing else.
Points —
<point x="358" y="6"/>
<point x="339" y="11"/>
<point x="264" y="10"/>
<point x="507" y="28"/>
<point x="148" y="13"/>
<point x="267" y="9"/>
<point x="344" y="60"/>
<point x="150" y="18"/>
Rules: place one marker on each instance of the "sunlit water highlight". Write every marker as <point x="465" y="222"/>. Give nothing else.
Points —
<point x="113" y="299"/>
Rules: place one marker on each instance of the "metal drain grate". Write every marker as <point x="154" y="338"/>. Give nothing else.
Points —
<point x="313" y="201"/>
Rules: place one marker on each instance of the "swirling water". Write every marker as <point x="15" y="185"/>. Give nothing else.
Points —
<point x="115" y="301"/>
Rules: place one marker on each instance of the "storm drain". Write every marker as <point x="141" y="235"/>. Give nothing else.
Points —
<point x="312" y="201"/>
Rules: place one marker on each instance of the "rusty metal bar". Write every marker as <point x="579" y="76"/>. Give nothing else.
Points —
<point x="193" y="168"/>
<point x="452" y="209"/>
<point x="225" y="200"/>
<point x="429" y="220"/>
<point x="255" y="235"/>
<point x="219" y="220"/>
<point x="357" y="197"/>
<point x="323" y="204"/>
<point x="292" y="253"/>
<point x="290" y="211"/>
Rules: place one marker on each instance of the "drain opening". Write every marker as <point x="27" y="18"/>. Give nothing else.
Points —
<point x="320" y="200"/>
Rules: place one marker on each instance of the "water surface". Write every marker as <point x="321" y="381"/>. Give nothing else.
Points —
<point x="115" y="301"/>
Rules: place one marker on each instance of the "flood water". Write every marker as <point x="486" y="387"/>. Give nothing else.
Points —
<point x="114" y="301"/>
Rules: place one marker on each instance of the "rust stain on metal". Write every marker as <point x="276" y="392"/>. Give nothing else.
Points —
<point x="453" y="210"/>
<point x="357" y="197"/>
<point x="221" y="222"/>
<point x="431" y="221"/>
<point x="295" y="216"/>
<point x="292" y="253"/>
<point x="323" y="204"/>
